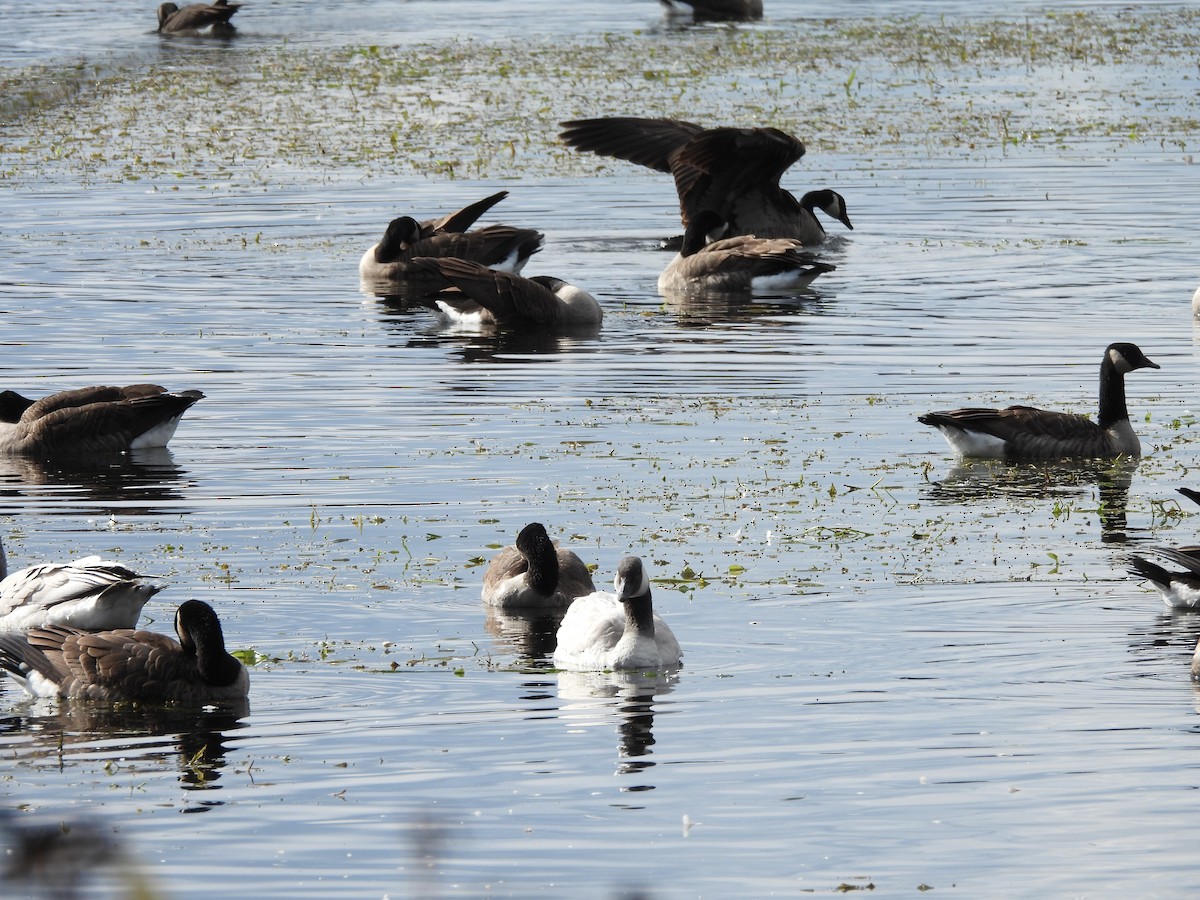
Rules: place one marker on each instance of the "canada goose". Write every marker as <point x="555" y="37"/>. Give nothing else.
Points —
<point x="459" y="221"/>
<point x="90" y="593"/>
<point x="534" y="573"/>
<point x="1180" y="590"/>
<point x="1191" y="494"/>
<point x="617" y="631"/>
<point x="720" y="10"/>
<point x="742" y="263"/>
<point x="475" y="294"/>
<point x="1023" y="432"/>
<point x="196" y="17"/>
<point x="92" y="420"/>
<point x="500" y="247"/>
<point x="733" y="171"/>
<point x="124" y="665"/>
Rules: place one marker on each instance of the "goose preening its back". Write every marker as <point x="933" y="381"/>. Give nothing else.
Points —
<point x="196" y="17"/>
<point x="617" y="631"/>
<point x="720" y="10"/>
<point x="92" y="420"/>
<point x="124" y="665"/>
<point x="500" y="247"/>
<point x="734" y="172"/>
<point x="742" y="264"/>
<point x="535" y="573"/>
<point x="474" y="294"/>
<point x="1024" y="432"/>
<point x="90" y="593"/>
<point x="1179" y="589"/>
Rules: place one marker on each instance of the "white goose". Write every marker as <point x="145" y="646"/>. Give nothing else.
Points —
<point x="127" y="666"/>
<point x="90" y="593"/>
<point x="617" y="631"/>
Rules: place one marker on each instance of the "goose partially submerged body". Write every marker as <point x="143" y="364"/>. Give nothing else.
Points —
<point x="473" y="294"/>
<point x="739" y="264"/>
<point x="720" y="10"/>
<point x="128" y="666"/>
<point x="535" y="573"/>
<point x="617" y="631"/>
<point x="733" y="172"/>
<point x="197" y="17"/>
<point x="500" y="247"/>
<point x="1025" y="432"/>
<point x="92" y="420"/>
<point x="1179" y="589"/>
<point x="90" y="593"/>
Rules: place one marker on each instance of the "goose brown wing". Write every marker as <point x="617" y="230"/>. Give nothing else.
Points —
<point x="646" y="142"/>
<point x="460" y="221"/>
<point x="736" y="172"/>
<point x="509" y="298"/>
<point x="102" y="418"/>
<point x="118" y="664"/>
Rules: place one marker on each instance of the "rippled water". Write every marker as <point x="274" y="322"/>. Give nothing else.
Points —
<point x="898" y="672"/>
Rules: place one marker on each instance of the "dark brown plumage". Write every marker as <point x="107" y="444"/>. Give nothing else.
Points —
<point x="732" y="172"/>
<point x="196" y="17"/>
<point x="124" y="665"/>
<point x="462" y="219"/>
<point x="89" y="420"/>
<point x="470" y="290"/>
<point x="721" y="10"/>
<point x="497" y="246"/>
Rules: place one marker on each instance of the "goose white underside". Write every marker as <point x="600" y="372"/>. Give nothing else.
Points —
<point x="592" y="638"/>
<point x="158" y="436"/>
<point x="1178" y="595"/>
<point x="974" y="444"/>
<point x="85" y="594"/>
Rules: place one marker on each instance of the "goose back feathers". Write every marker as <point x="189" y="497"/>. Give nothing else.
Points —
<point x="535" y="573"/>
<point x="734" y="172"/>
<point x="460" y="220"/>
<point x="196" y="17"/>
<point x="92" y="420"/>
<point x="1179" y="589"/>
<point x="501" y="247"/>
<point x="1025" y="432"/>
<point x="720" y="10"/>
<point x="128" y="666"/>
<point x="90" y="593"/>
<point x="617" y="631"/>
<point x="473" y="293"/>
<point x="736" y="264"/>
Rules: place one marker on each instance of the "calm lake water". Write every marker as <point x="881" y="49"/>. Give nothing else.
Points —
<point x="900" y="673"/>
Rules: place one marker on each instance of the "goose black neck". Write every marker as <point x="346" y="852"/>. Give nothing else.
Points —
<point x="639" y="615"/>
<point x="1112" y="394"/>
<point x="543" y="567"/>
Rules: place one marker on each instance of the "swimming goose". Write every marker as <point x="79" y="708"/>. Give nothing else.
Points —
<point x="90" y="593"/>
<point x="92" y="420"/>
<point x="720" y="10"/>
<point x="501" y="247"/>
<point x="534" y="573"/>
<point x="742" y="263"/>
<point x="1180" y="590"/>
<point x="1023" y="432"/>
<point x="196" y="17"/>
<point x="124" y="665"/>
<point x="617" y="631"/>
<point x="459" y="221"/>
<point x="475" y="294"/>
<point x="733" y="171"/>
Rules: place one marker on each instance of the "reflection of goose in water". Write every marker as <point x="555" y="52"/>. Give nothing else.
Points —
<point x="594" y="697"/>
<point x="134" y="483"/>
<point x="528" y="634"/>
<point x="192" y="741"/>
<point x="976" y="481"/>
